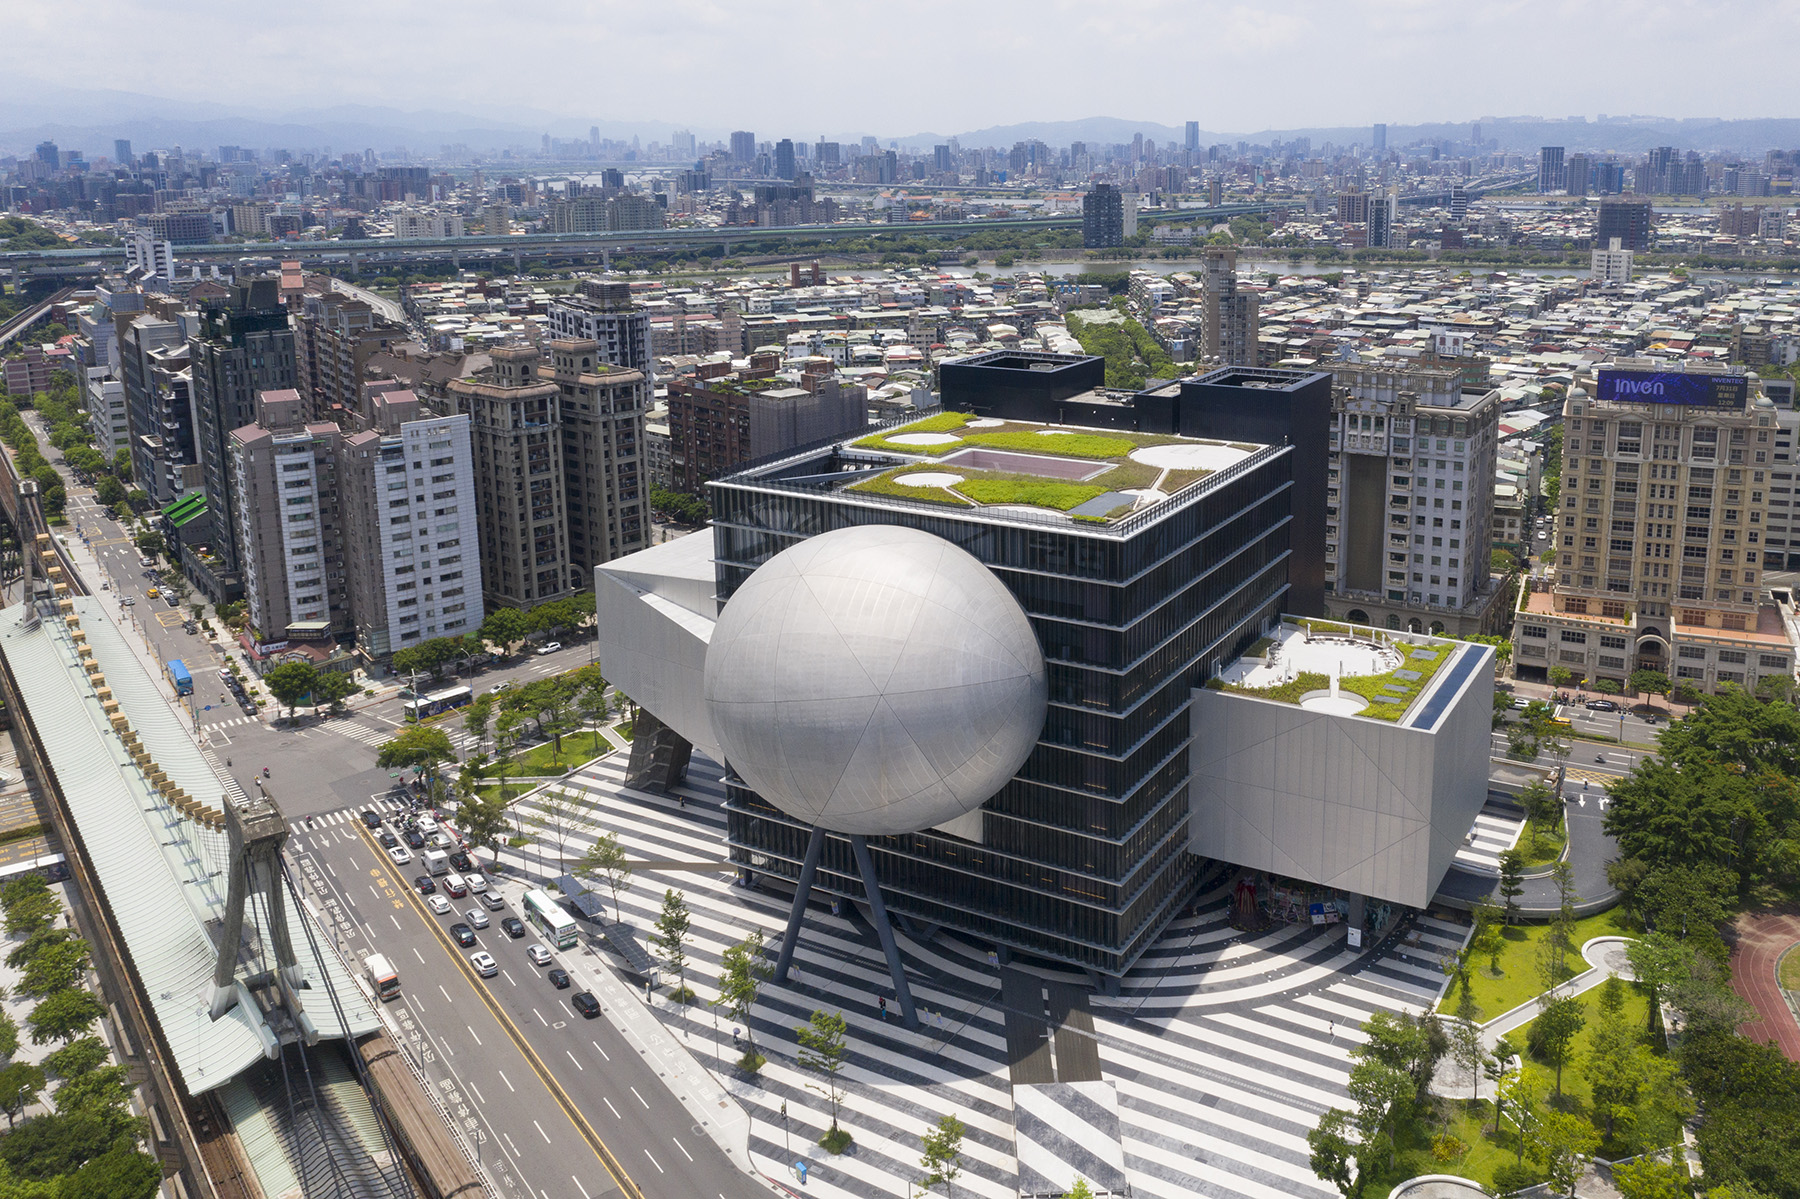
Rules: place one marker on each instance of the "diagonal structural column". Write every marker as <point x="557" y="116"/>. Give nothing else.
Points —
<point x="815" y="846"/>
<point x="884" y="930"/>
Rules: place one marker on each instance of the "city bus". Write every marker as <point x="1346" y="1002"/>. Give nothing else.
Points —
<point x="557" y="926"/>
<point x="178" y="674"/>
<point x="442" y="701"/>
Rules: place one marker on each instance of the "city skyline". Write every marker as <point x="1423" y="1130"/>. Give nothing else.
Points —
<point x="1392" y="51"/>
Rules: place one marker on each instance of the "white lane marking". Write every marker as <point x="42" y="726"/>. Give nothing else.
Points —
<point x="396" y="921"/>
<point x="574" y="1059"/>
<point x="418" y="955"/>
<point x="472" y="1034"/>
<point x="331" y="868"/>
<point x="477" y="1090"/>
<point x="540" y="1017"/>
<point x="541" y="1131"/>
<point x="510" y="1145"/>
<point x="683" y="1149"/>
<point x="446" y="993"/>
<point x="510" y="979"/>
<point x="654" y="1162"/>
<point x="640" y="1099"/>
<point x="582" y="1189"/>
<point x="611" y="1108"/>
<point x="601" y="1052"/>
<point x="507" y="1081"/>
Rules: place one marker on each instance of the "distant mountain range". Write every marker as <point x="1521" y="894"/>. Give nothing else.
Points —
<point x="90" y="119"/>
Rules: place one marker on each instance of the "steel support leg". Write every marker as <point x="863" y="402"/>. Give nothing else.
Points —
<point x="815" y="846"/>
<point x="878" y="914"/>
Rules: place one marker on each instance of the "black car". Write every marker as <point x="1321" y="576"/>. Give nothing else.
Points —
<point x="415" y="838"/>
<point x="425" y="885"/>
<point x="1602" y="705"/>
<point x="388" y="840"/>
<point x="371" y="818"/>
<point x="465" y="936"/>
<point x="559" y="978"/>
<point x="513" y="927"/>
<point x="460" y="861"/>
<point x="585" y="1003"/>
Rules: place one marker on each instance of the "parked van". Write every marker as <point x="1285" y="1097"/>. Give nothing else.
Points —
<point x="437" y="861"/>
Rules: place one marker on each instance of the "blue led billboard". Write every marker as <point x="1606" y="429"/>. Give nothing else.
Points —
<point x="1673" y="387"/>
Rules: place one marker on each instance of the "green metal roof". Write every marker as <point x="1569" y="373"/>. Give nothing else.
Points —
<point x="185" y="509"/>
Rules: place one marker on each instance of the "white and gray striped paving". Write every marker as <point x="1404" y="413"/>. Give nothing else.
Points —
<point x="1221" y="1051"/>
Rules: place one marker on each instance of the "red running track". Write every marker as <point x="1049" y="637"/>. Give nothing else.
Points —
<point x="1761" y="940"/>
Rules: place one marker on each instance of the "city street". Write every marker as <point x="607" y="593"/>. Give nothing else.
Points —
<point x="534" y="1082"/>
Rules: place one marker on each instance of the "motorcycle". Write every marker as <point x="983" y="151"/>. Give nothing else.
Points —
<point x="265" y="772"/>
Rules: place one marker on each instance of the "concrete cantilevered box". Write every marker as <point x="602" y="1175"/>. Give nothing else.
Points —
<point x="1374" y="807"/>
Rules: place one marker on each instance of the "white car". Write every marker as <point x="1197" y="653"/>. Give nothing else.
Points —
<point x="476" y="882"/>
<point x="427" y="825"/>
<point x="549" y="647"/>
<point x="477" y="917"/>
<point x="484" y="963"/>
<point x="438" y="904"/>
<point x="539" y="955"/>
<point x="400" y="854"/>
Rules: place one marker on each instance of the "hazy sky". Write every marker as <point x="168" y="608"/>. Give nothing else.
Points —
<point x="804" y="67"/>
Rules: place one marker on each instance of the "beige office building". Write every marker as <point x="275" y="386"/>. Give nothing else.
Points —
<point x="283" y="473"/>
<point x="1659" y="533"/>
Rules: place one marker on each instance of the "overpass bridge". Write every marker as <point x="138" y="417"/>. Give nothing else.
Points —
<point x="354" y="257"/>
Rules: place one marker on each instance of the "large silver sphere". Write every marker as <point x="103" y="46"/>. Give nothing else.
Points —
<point x="875" y="680"/>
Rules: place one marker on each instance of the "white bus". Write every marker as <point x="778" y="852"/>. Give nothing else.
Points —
<point x="557" y="926"/>
<point x="442" y="701"/>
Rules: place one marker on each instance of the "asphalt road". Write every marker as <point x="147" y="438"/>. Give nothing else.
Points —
<point x="540" y="1082"/>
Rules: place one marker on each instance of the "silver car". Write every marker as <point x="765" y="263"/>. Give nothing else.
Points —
<point x="539" y="955"/>
<point x="477" y="917"/>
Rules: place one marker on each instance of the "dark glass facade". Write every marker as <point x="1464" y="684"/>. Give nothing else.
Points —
<point x="1084" y="853"/>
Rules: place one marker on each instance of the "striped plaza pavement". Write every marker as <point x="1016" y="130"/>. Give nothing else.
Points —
<point x="1220" y="1053"/>
<point x="1497" y="829"/>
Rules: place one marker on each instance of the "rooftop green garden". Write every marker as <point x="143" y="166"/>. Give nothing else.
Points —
<point x="1400" y="688"/>
<point x="1014" y="435"/>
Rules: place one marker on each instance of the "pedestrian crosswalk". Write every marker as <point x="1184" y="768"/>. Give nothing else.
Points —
<point x="1219" y="1054"/>
<point x="1497" y="829"/>
<point x="230" y="724"/>
<point x="384" y="805"/>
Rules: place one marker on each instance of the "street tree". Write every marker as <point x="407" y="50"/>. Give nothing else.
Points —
<point x="20" y="1085"/>
<point x="1411" y="1044"/>
<point x="1512" y="884"/>
<point x="1660" y="963"/>
<point x="505" y="628"/>
<point x="477" y="717"/>
<point x="824" y="1052"/>
<point x="942" y="1160"/>
<point x="418" y="747"/>
<point x="332" y="689"/>
<point x="670" y="941"/>
<point x="63" y="1016"/>
<point x="1335" y="1145"/>
<point x="1552" y="1034"/>
<point x="593" y="704"/>
<point x="605" y="862"/>
<point x="1650" y="1178"/>
<point x="483" y="821"/>
<point x="742" y="972"/>
<point x="1383" y="1096"/>
<point x="1648" y="682"/>
<point x="54" y="968"/>
<point x="1559" y="1142"/>
<point x="1489" y="938"/>
<point x="291" y="683"/>
<point x="557" y="816"/>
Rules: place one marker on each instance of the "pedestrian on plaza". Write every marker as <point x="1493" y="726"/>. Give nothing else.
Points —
<point x="881" y="1002"/>
<point x="1331" y="1031"/>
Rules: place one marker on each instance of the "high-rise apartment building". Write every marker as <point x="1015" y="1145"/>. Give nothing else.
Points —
<point x="1380" y="139"/>
<point x="718" y="423"/>
<point x="1627" y="220"/>
<point x="608" y="497"/>
<point x="1103" y="217"/>
<point x="244" y="346"/>
<point x="515" y="427"/>
<point x="1667" y="477"/>
<point x="1353" y="207"/>
<point x="601" y="312"/>
<point x="1229" y="313"/>
<point x="334" y="337"/>
<point x="1551" y="175"/>
<point x="743" y="146"/>
<point x="784" y="158"/>
<point x="1384" y="214"/>
<point x="1612" y="264"/>
<point x="412" y="551"/>
<point x="1192" y="144"/>
<point x="1577" y="174"/>
<point x="1410" y="499"/>
<point x="289" y="518"/>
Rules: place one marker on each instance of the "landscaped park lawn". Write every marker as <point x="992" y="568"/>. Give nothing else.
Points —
<point x="1519" y="979"/>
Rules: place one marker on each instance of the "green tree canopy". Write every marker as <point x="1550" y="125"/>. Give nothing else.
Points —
<point x="291" y="683"/>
